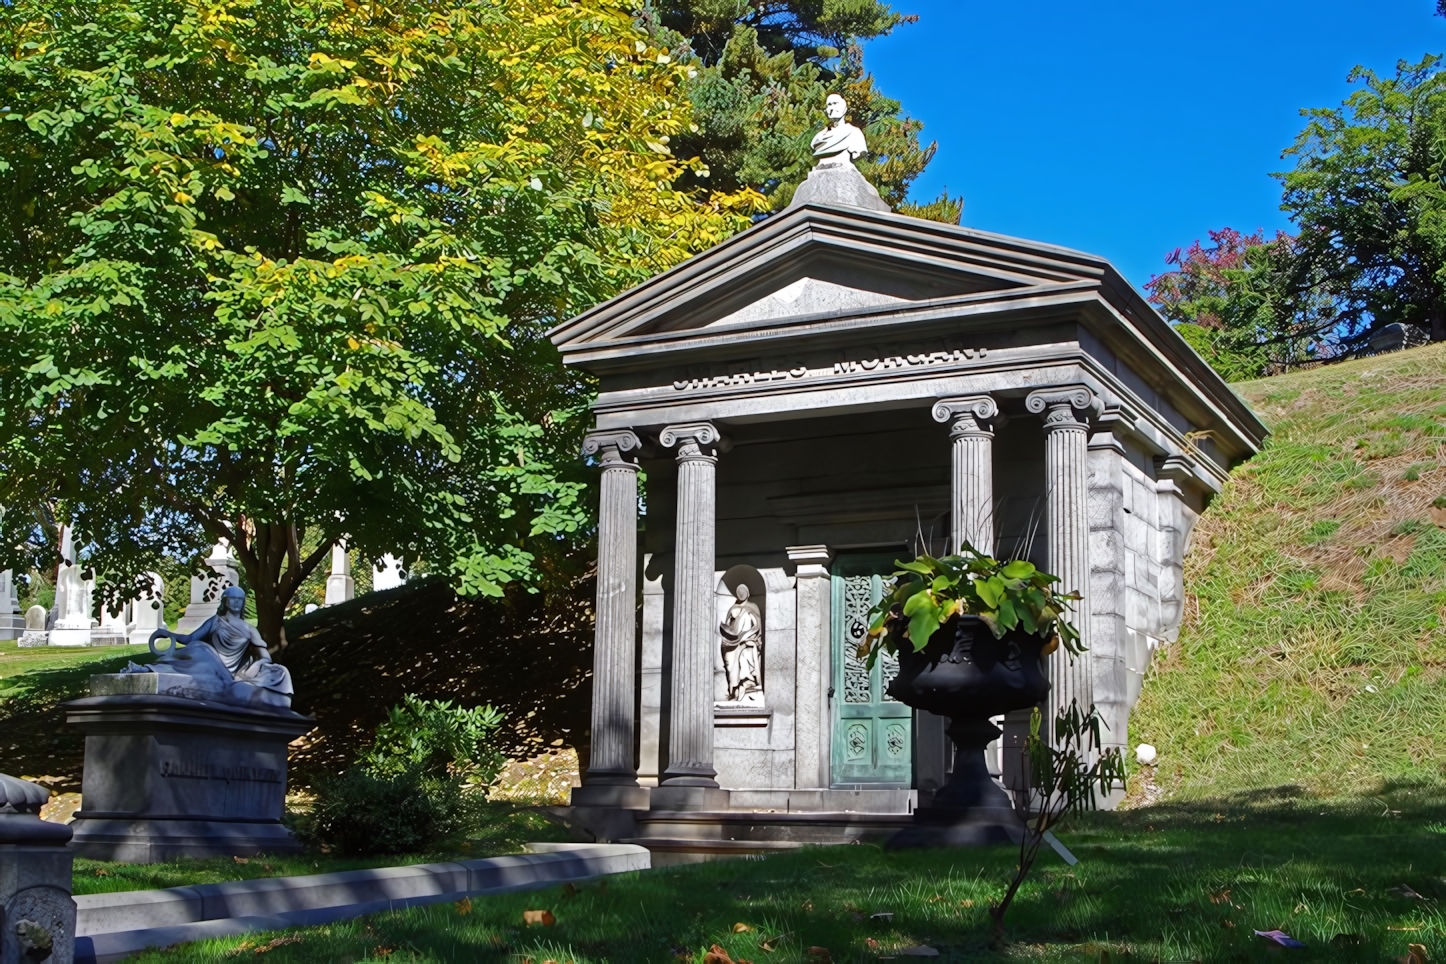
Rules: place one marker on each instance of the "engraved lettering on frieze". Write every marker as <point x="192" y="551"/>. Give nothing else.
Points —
<point x="740" y="378"/>
<point x="908" y="361"/>
<point x="201" y="770"/>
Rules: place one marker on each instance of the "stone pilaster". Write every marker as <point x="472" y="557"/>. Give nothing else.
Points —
<point x="1109" y="637"/>
<point x="690" y="732"/>
<point x="1066" y="476"/>
<point x="971" y="504"/>
<point x="610" y="762"/>
<point x="812" y="719"/>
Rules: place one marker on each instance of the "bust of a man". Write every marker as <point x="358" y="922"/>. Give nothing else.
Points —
<point x="840" y="142"/>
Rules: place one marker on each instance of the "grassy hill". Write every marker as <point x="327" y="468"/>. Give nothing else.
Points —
<point x="1313" y="652"/>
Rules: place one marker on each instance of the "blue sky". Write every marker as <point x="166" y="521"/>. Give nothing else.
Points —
<point x="1124" y="128"/>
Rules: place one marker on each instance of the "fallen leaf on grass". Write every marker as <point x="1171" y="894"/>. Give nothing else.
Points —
<point x="384" y="951"/>
<point x="1280" y="937"/>
<point x="1220" y="896"/>
<point x="1415" y="954"/>
<point x="543" y="917"/>
<point x="741" y="928"/>
<point x="966" y="903"/>
<point x="919" y="950"/>
<point x="102" y="872"/>
<point x="819" y="955"/>
<point x="871" y="944"/>
<point x="717" y="955"/>
<point x="276" y="942"/>
<point x="464" y="906"/>
<point x="242" y="860"/>
<point x="770" y="944"/>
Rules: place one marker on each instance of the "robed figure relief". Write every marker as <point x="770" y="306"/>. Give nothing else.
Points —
<point x="743" y="648"/>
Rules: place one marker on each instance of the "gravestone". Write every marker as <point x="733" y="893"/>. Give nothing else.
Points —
<point x="148" y="612"/>
<point x="12" y="624"/>
<point x="187" y="756"/>
<point x="35" y="633"/>
<point x="112" y="628"/>
<point x="206" y="589"/>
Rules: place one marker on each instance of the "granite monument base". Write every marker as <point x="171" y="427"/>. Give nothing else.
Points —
<point x="168" y="776"/>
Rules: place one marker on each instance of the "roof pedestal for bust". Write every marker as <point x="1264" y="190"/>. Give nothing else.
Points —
<point x="834" y="179"/>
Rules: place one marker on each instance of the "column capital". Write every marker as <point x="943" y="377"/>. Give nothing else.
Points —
<point x="612" y="446"/>
<point x="969" y="413"/>
<point x="812" y="561"/>
<point x="695" y="440"/>
<point x="1058" y="406"/>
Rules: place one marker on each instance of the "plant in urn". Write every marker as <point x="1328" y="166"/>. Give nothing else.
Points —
<point x="970" y="632"/>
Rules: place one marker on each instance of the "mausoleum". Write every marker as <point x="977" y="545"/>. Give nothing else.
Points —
<point x="835" y="388"/>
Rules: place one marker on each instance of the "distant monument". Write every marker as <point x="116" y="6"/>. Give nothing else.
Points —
<point x="206" y="589"/>
<point x="187" y="756"/>
<point x="73" y="597"/>
<point x="12" y="624"/>
<point x="148" y="613"/>
<point x="339" y="584"/>
<point x="389" y="575"/>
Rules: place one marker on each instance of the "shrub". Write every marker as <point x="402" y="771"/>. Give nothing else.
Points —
<point x="438" y="740"/>
<point x="416" y="787"/>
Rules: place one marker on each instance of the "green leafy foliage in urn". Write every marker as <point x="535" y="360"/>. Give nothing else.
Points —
<point x="1005" y="595"/>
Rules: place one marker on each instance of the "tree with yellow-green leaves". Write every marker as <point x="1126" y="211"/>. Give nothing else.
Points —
<point x="278" y="272"/>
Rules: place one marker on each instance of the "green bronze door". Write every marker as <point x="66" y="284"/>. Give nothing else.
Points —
<point x="872" y="734"/>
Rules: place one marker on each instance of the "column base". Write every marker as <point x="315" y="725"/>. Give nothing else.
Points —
<point x="610" y="795"/>
<point x="688" y="798"/>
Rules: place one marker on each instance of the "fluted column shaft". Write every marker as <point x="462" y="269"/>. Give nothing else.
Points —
<point x="614" y="640"/>
<point x="690" y="735"/>
<point x="971" y="506"/>
<point x="1066" y="468"/>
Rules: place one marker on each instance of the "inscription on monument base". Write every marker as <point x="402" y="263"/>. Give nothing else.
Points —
<point x="202" y="770"/>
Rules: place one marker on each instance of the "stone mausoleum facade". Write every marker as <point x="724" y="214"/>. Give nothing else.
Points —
<point x="835" y="388"/>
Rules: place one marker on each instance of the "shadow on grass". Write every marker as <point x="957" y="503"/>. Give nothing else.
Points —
<point x="36" y="742"/>
<point x="1356" y="879"/>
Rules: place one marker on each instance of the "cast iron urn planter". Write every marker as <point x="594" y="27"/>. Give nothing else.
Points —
<point x="966" y="674"/>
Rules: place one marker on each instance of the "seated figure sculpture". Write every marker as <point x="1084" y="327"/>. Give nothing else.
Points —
<point x="226" y="657"/>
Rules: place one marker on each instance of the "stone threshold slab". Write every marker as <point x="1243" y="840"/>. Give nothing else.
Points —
<point x="111" y="927"/>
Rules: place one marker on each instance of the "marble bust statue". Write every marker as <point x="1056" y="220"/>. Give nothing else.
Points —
<point x="225" y="658"/>
<point x="840" y="142"/>
<point x="742" y="631"/>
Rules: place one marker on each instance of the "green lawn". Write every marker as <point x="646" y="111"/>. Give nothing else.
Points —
<point x="508" y="828"/>
<point x="1178" y="882"/>
<point x="1314" y="645"/>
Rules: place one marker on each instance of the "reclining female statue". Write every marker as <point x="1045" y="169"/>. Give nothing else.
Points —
<point x="226" y="657"/>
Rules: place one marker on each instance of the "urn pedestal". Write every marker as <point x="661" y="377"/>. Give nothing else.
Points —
<point x="969" y="676"/>
<point x="168" y="776"/>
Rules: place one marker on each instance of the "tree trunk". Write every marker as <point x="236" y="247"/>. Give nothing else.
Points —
<point x="270" y="553"/>
<point x="1438" y="322"/>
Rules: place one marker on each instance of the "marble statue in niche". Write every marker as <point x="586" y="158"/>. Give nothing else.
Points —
<point x="226" y="658"/>
<point x="742" y="631"/>
<point x="840" y="142"/>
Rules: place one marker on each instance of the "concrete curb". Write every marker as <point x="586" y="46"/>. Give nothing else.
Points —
<point x="110" y="927"/>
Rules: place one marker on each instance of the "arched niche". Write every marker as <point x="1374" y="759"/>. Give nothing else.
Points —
<point x="725" y="593"/>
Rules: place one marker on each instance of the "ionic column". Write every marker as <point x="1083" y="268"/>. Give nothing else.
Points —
<point x="690" y="733"/>
<point x="611" y="760"/>
<point x="972" y="494"/>
<point x="1066" y="474"/>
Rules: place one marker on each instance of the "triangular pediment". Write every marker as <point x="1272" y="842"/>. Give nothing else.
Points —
<point x="806" y="296"/>
<point x="814" y="261"/>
